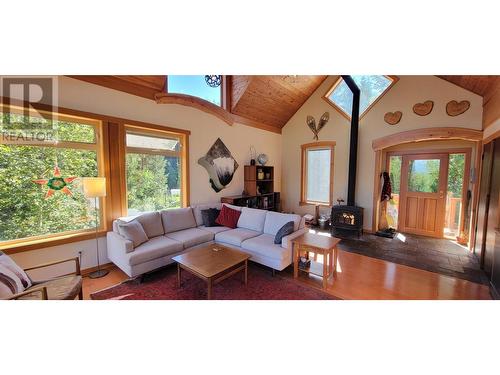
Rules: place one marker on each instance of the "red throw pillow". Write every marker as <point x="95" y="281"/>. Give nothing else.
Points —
<point x="228" y="217"/>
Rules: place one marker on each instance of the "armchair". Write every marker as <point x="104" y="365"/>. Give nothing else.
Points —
<point x="64" y="287"/>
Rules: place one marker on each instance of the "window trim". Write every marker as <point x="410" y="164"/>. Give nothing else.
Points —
<point x="112" y="134"/>
<point x="182" y="154"/>
<point x="322" y="145"/>
<point x="393" y="79"/>
<point x="97" y="146"/>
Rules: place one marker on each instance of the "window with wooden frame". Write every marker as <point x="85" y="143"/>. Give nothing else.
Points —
<point x="372" y="87"/>
<point x="317" y="173"/>
<point x="155" y="169"/>
<point x="43" y="157"/>
<point x="196" y="85"/>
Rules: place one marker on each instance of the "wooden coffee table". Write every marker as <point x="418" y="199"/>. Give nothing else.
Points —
<point x="212" y="263"/>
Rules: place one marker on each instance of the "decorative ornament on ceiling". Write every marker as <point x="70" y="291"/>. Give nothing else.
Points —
<point x="56" y="183"/>
<point x="392" y="118"/>
<point x="220" y="165"/>
<point x="423" y="109"/>
<point x="455" y="108"/>
<point x="213" y="81"/>
<point x="311" y="122"/>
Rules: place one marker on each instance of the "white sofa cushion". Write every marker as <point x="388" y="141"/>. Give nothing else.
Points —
<point x="252" y="218"/>
<point x="237" y="208"/>
<point x="205" y="206"/>
<point x="133" y="231"/>
<point x="264" y="245"/>
<point x="275" y="220"/>
<point x="155" y="248"/>
<point x="191" y="237"/>
<point x="151" y="222"/>
<point x="177" y="219"/>
<point x="214" y="230"/>
<point x="235" y="236"/>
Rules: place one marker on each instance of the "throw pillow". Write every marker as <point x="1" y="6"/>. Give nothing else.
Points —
<point x="133" y="231"/>
<point x="228" y="217"/>
<point x="209" y="216"/>
<point x="23" y="277"/>
<point x="285" y="230"/>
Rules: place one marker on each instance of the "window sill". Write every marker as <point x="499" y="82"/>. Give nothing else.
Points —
<point x="322" y="204"/>
<point x="40" y="243"/>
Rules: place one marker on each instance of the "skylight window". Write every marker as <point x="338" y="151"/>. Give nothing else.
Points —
<point x="194" y="86"/>
<point x="372" y="89"/>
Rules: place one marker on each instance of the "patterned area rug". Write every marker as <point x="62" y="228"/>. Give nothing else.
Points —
<point x="162" y="285"/>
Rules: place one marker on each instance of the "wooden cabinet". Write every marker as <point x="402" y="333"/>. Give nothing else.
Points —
<point x="259" y="189"/>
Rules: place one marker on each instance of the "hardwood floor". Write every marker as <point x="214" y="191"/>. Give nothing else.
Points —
<point x="361" y="277"/>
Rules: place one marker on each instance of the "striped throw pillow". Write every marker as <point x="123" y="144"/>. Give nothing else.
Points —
<point x="13" y="279"/>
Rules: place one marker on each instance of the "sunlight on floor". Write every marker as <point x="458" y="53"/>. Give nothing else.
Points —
<point x="401" y="237"/>
<point x="320" y="257"/>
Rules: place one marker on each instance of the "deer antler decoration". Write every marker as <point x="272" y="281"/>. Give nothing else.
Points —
<point x="311" y="122"/>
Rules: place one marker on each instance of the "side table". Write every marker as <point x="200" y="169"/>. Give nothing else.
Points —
<point x="324" y="245"/>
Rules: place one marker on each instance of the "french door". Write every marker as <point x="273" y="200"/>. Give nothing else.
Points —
<point x="423" y="194"/>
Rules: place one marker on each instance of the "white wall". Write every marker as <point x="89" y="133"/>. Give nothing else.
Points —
<point x="401" y="97"/>
<point x="205" y="129"/>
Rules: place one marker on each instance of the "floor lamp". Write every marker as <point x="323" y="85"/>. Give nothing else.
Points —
<point x="95" y="187"/>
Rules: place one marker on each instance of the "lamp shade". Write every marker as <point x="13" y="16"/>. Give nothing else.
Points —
<point x="94" y="187"/>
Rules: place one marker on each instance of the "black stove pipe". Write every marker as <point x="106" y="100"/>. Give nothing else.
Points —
<point x="353" y="149"/>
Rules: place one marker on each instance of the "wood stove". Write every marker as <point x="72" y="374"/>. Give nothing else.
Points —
<point x="347" y="218"/>
<point x="350" y="217"/>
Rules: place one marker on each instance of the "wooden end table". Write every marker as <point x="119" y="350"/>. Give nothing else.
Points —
<point x="212" y="263"/>
<point x="314" y="243"/>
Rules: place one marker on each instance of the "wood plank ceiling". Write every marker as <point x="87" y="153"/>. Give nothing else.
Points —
<point x="268" y="102"/>
<point x="481" y="85"/>
<point x="272" y="100"/>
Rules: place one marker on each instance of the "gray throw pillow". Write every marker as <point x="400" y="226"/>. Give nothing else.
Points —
<point x="133" y="231"/>
<point x="285" y="230"/>
<point x="209" y="216"/>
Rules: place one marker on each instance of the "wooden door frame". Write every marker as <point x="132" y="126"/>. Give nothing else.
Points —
<point x="467" y="169"/>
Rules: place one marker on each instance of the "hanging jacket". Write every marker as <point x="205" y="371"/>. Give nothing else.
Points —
<point x="386" y="188"/>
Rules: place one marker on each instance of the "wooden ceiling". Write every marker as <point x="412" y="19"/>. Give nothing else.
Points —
<point x="481" y="85"/>
<point x="272" y="100"/>
<point x="265" y="102"/>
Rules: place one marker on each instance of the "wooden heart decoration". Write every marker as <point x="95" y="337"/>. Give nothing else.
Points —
<point x="392" y="118"/>
<point x="423" y="109"/>
<point x="455" y="108"/>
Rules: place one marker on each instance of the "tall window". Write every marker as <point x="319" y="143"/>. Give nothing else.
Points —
<point x="153" y="169"/>
<point x="42" y="161"/>
<point x="372" y="89"/>
<point x="195" y="86"/>
<point x="317" y="173"/>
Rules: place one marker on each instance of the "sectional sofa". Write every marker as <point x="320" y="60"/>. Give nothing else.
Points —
<point x="172" y="232"/>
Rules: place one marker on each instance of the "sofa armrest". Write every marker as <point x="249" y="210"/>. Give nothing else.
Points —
<point x="286" y="241"/>
<point x="119" y="244"/>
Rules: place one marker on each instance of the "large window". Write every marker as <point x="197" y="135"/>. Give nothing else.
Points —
<point x="153" y="169"/>
<point x="42" y="161"/>
<point x="317" y="173"/>
<point x="195" y="86"/>
<point x="372" y="89"/>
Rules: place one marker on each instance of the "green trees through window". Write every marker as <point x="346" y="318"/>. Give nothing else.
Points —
<point x="153" y="168"/>
<point x="24" y="211"/>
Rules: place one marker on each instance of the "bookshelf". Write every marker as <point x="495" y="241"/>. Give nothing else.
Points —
<point x="259" y="189"/>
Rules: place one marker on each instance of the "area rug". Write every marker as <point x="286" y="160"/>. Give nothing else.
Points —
<point x="162" y="285"/>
